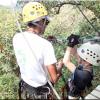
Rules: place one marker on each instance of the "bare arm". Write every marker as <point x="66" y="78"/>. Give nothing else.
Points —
<point x="67" y="60"/>
<point x="75" y="54"/>
<point x="54" y="72"/>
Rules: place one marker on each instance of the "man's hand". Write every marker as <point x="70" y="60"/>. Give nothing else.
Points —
<point x="73" y="40"/>
<point x="59" y="65"/>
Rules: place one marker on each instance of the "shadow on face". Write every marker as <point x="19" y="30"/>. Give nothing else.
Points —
<point x="83" y="62"/>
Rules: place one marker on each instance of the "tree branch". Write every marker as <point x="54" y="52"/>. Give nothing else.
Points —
<point x="63" y="3"/>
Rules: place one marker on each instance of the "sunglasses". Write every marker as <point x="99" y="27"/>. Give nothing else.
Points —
<point x="46" y="21"/>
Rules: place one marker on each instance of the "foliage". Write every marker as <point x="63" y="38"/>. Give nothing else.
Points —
<point x="7" y="60"/>
<point x="8" y="86"/>
<point x="94" y="6"/>
<point x="8" y="79"/>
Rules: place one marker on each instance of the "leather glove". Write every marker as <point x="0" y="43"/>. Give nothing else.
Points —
<point x="73" y="40"/>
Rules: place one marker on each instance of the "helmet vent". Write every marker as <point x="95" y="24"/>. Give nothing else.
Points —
<point x="33" y="7"/>
<point x="87" y="49"/>
<point x="32" y="13"/>
<point x="36" y="8"/>
<point x="88" y="53"/>
<point x="82" y="51"/>
<point x="94" y="54"/>
<point x="97" y="56"/>
<point x="98" y="61"/>
<point x="91" y="51"/>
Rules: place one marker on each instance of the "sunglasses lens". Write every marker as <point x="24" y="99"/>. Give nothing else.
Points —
<point x="47" y="22"/>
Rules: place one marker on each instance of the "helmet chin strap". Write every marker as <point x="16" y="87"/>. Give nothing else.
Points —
<point x="43" y="26"/>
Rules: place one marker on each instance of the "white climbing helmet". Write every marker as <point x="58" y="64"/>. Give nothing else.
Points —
<point x="90" y="52"/>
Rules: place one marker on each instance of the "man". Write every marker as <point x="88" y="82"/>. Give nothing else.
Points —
<point x="82" y="74"/>
<point x="35" y="55"/>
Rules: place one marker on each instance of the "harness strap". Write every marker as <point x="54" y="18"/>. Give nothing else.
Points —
<point x="41" y="92"/>
<point x="20" y="89"/>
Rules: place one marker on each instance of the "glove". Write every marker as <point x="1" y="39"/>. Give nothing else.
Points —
<point x="73" y="40"/>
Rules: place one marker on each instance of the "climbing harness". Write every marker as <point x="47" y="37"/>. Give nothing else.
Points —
<point x="28" y="92"/>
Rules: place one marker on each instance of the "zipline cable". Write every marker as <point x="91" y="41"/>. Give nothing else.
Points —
<point x="86" y="17"/>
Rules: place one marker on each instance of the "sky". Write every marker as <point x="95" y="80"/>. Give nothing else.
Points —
<point x="8" y="2"/>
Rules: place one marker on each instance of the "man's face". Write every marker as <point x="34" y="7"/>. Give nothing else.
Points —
<point x="42" y="25"/>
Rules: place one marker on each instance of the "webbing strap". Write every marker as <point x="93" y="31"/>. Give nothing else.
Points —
<point x="27" y="91"/>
